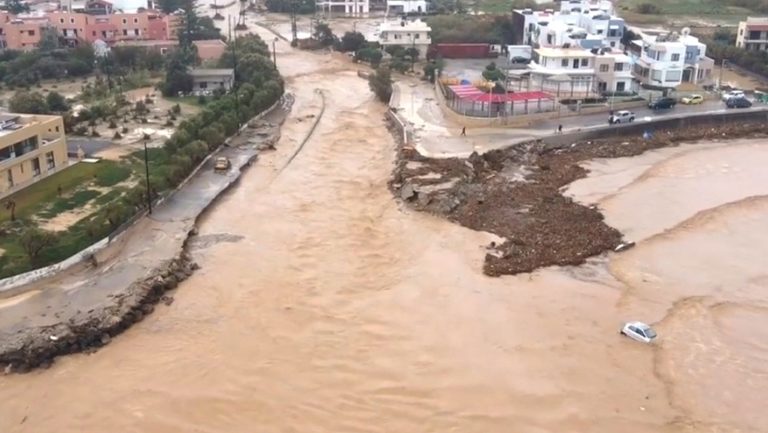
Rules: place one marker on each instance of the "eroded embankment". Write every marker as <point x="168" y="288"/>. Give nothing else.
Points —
<point x="516" y="193"/>
<point x="95" y="326"/>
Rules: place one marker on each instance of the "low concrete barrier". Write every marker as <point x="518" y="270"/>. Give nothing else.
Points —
<point x="12" y="285"/>
<point x="402" y="125"/>
<point x="656" y="126"/>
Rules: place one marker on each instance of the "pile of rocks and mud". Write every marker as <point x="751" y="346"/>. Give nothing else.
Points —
<point x="93" y="329"/>
<point x="516" y="193"/>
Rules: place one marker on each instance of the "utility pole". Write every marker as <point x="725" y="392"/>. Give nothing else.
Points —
<point x="146" y="168"/>
<point x="274" y="52"/>
<point x="234" y="69"/>
<point x="722" y="66"/>
<point x="293" y="21"/>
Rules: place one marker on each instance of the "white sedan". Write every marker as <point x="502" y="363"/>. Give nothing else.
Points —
<point x="732" y="94"/>
<point x="638" y="331"/>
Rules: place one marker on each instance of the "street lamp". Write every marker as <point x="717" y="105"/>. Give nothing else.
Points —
<point x="274" y="52"/>
<point x="146" y="168"/>
<point x="722" y="66"/>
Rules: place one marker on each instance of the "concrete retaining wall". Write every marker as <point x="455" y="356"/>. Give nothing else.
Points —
<point x="12" y="285"/>
<point x="400" y="123"/>
<point x="702" y="120"/>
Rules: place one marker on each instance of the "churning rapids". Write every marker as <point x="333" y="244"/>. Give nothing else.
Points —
<point x="324" y="306"/>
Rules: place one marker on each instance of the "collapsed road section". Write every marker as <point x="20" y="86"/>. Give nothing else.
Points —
<point x="516" y="194"/>
<point x="82" y="310"/>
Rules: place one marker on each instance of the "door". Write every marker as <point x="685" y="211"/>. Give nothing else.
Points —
<point x="602" y="86"/>
<point x="620" y="86"/>
<point x="575" y="63"/>
<point x="686" y="75"/>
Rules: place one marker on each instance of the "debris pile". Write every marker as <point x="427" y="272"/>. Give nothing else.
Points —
<point x="515" y="193"/>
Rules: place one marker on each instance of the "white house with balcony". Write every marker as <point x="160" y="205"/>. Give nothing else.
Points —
<point x="395" y="7"/>
<point x="563" y="70"/>
<point x="408" y="34"/>
<point x="354" y="8"/>
<point x="613" y="72"/>
<point x="667" y="60"/>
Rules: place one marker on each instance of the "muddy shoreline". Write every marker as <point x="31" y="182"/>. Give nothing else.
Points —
<point x="515" y="193"/>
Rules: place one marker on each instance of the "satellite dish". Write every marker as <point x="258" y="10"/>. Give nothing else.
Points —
<point x="685" y="31"/>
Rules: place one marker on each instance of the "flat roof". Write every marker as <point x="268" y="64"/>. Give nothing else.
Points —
<point x="564" y="52"/>
<point x="211" y="72"/>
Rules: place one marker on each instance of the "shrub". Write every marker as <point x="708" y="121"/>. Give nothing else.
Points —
<point x="648" y="9"/>
<point x="380" y="82"/>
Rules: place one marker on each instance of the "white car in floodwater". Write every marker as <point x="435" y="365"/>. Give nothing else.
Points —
<point x="638" y="331"/>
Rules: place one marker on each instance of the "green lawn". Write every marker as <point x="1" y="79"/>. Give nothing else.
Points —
<point x="36" y="197"/>
<point x="718" y="10"/>
<point x="80" y="184"/>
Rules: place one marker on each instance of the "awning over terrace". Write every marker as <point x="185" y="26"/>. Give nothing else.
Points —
<point x="472" y="93"/>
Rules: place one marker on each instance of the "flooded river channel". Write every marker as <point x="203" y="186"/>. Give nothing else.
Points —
<point x="324" y="306"/>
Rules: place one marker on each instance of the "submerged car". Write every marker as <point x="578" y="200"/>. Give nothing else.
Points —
<point x="738" y="103"/>
<point x="638" y="331"/>
<point x="662" y="103"/>
<point x="222" y="164"/>
<point x="622" y="116"/>
<point x="692" y="100"/>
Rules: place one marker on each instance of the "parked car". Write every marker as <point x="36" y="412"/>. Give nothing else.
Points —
<point x="662" y="103"/>
<point x="692" y="100"/>
<point x="638" y="331"/>
<point x="732" y="94"/>
<point x="622" y="116"/>
<point x="738" y="103"/>
<point x="222" y="164"/>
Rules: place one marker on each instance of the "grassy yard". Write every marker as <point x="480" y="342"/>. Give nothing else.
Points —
<point x="693" y="11"/>
<point x="81" y="194"/>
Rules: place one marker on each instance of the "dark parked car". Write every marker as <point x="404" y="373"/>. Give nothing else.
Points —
<point x="738" y="103"/>
<point x="662" y="103"/>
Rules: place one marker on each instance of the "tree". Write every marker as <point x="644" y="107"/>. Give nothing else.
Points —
<point x="28" y="102"/>
<point x="16" y="6"/>
<point x="177" y="78"/>
<point x="34" y="240"/>
<point x="10" y="206"/>
<point x="324" y="35"/>
<point x="170" y="6"/>
<point x="492" y="73"/>
<point x="352" y="41"/>
<point x="56" y="103"/>
<point x="628" y="37"/>
<point x="115" y="213"/>
<point x="380" y="83"/>
<point x="371" y="55"/>
<point x="49" y="39"/>
<point x="648" y="9"/>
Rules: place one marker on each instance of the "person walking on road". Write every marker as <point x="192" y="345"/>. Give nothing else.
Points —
<point x="559" y="129"/>
<point x="463" y="131"/>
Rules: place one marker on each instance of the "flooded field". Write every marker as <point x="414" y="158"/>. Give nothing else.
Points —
<point x="323" y="306"/>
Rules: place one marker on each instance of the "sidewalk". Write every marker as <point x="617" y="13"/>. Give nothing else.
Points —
<point x="82" y="293"/>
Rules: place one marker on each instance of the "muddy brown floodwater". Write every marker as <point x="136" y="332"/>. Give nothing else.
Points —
<point x="324" y="306"/>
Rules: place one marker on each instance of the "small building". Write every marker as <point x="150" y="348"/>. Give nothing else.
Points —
<point x="613" y="72"/>
<point x="208" y="80"/>
<point x="354" y="8"/>
<point x="406" y="6"/>
<point x="408" y="34"/>
<point x="563" y="69"/>
<point x="586" y="23"/>
<point x="753" y="34"/>
<point x="32" y="147"/>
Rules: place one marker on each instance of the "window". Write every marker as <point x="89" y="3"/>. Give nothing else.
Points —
<point x="564" y="63"/>
<point x="50" y="161"/>
<point x="61" y="20"/>
<point x="125" y="32"/>
<point x="135" y="20"/>
<point x="584" y="62"/>
<point x="603" y="68"/>
<point x="36" y="166"/>
<point x="71" y="20"/>
<point x="620" y="86"/>
<point x="136" y="32"/>
<point x="675" y="57"/>
<point x="31" y="32"/>
<point x="417" y="35"/>
<point x="599" y="31"/>
<point x="618" y="67"/>
<point x="57" y="129"/>
<point x="10" y="177"/>
<point x="674" y="76"/>
<point x="754" y="35"/>
<point x="94" y="33"/>
<point x="125" y="21"/>
<point x="203" y="85"/>
<point x="656" y="75"/>
<point x="688" y="55"/>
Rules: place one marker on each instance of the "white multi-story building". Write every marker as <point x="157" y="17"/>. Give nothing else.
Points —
<point x="667" y="60"/>
<point x="414" y="34"/>
<point x="579" y="23"/>
<point x="613" y="72"/>
<point x="406" y="6"/>
<point x="753" y="34"/>
<point x="343" y="7"/>
<point x="571" y="70"/>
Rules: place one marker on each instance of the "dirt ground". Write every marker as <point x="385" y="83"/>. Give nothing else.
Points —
<point x="516" y="194"/>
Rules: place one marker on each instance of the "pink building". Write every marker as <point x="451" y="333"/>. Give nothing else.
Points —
<point x="22" y="32"/>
